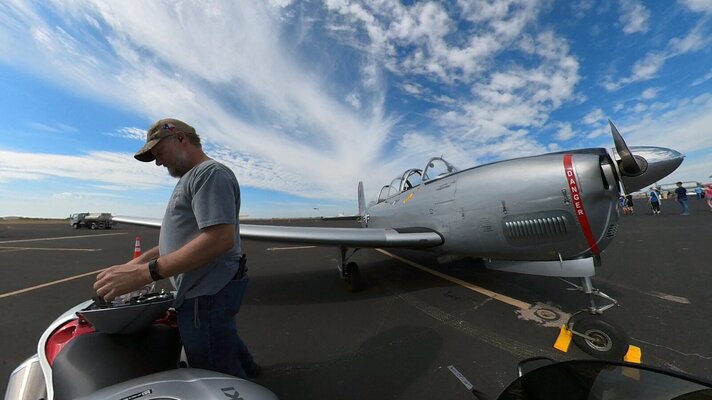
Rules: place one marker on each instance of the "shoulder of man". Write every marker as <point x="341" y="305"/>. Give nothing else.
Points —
<point x="212" y="166"/>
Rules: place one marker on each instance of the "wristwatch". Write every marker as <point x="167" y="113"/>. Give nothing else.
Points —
<point x="153" y="270"/>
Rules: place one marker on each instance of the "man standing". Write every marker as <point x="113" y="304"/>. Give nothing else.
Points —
<point x="199" y="249"/>
<point x="654" y="198"/>
<point x="681" y="194"/>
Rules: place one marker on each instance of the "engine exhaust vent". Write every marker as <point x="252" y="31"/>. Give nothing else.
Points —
<point x="536" y="229"/>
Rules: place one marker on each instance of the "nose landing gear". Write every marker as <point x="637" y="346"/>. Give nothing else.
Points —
<point x="592" y="333"/>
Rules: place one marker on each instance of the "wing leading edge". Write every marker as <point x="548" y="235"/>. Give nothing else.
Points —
<point x="349" y="237"/>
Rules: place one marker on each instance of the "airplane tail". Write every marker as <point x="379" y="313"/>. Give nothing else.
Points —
<point x="361" y="204"/>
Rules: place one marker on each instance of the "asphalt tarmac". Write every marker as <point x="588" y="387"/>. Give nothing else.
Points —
<point x="414" y="323"/>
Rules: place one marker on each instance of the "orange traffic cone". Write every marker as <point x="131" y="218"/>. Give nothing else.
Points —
<point x="137" y="247"/>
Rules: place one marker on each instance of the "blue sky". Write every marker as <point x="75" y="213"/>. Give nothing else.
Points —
<point x="304" y="99"/>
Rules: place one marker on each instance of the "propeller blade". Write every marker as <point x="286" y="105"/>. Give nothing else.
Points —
<point x="629" y="164"/>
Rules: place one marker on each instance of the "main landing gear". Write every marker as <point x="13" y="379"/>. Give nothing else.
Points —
<point x="591" y="332"/>
<point x="349" y="270"/>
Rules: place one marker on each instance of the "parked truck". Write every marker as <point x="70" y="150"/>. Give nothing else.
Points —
<point x="91" y="220"/>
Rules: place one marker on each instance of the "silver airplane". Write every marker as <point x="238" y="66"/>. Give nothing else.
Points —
<point x="549" y="215"/>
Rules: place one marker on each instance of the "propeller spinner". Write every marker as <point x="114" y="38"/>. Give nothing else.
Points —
<point x="640" y="166"/>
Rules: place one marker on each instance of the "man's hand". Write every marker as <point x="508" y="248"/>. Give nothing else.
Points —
<point x="121" y="279"/>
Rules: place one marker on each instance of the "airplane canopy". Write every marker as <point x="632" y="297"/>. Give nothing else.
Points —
<point x="436" y="168"/>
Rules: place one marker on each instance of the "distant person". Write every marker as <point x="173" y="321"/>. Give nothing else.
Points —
<point x="629" y="203"/>
<point x="708" y="195"/>
<point x="654" y="198"/>
<point x="698" y="192"/>
<point x="681" y="194"/>
<point x="198" y="248"/>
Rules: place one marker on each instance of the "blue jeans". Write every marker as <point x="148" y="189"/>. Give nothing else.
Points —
<point x="683" y="204"/>
<point x="208" y="331"/>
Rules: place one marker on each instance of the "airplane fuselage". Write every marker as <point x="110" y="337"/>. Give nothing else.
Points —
<point x="547" y="207"/>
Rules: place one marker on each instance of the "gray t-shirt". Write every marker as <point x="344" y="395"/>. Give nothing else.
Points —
<point x="206" y="195"/>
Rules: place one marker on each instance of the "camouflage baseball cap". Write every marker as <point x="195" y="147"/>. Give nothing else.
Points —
<point x="159" y="130"/>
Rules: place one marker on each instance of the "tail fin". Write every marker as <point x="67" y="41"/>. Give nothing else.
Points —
<point x="361" y="204"/>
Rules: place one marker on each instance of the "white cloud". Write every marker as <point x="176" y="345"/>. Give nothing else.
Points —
<point x="55" y="127"/>
<point x="634" y="16"/>
<point x="648" y="67"/>
<point x="508" y="101"/>
<point x="704" y="6"/>
<point x="354" y="99"/>
<point x="494" y="69"/>
<point x="110" y="168"/>
<point x="599" y="131"/>
<point x="238" y="57"/>
<point x="702" y="79"/>
<point x="130" y="133"/>
<point x="582" y="7"/>
<point x="412" y="88"/>
<point x="564" y="131"/>
<point x="649" y="93"/>
<point x="416" y="39"/>
<point x="640" y="107"/>
<point x="684" y="124"/>
<point x="594" y="117"/>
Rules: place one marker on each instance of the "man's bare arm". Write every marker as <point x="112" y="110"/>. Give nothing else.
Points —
<point x="204" y="248"/>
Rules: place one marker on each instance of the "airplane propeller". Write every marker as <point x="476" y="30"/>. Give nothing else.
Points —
<point x="645" y="165"/>
<point x="630" y="164"/>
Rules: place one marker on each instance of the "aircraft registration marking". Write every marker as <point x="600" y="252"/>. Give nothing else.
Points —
<point x="494" y="295"/>
<point x="578" y="203"/>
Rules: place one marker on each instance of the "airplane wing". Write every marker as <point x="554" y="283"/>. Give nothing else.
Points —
<point x="413" y="237"/>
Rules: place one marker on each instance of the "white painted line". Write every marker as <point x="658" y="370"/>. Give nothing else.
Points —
<point x="61" y="238"/>
<point x="461" y="377"/>
<point x="494" y="295"/>
<point x="652" y="293"/>
<point x="670" y="297"/>
<point x="16" y="292"/>
<point x="290" y="248"/>
<point x="518" y="349"/>
<point x="46" y="248"/>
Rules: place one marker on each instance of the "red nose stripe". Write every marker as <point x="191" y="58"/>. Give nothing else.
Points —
<point x="579" y="210"/>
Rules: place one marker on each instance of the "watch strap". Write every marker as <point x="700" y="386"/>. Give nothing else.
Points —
<point x="153" y="270"/>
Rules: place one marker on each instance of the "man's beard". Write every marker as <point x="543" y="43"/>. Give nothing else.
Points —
<point x="180" y="167"/>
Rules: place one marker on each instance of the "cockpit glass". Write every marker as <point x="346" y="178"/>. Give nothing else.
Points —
<point x="436" y="168"/>
<point x="395" y="186"/>
<point x="384" y="193"/>
<point x="411" y="179"/>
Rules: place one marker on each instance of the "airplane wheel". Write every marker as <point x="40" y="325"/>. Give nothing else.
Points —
<point x="608" y="342"/>
<point x="353" y="280"/>
<point x="75" y="226"/>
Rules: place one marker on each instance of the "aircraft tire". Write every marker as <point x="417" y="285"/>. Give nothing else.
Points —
<point x="609" y="342"/>
<point x="353" y="281"/>
<point x="75" y="226"/>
